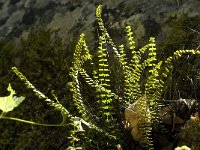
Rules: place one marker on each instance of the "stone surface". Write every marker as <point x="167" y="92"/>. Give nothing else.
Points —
<point x="71" y="17"/>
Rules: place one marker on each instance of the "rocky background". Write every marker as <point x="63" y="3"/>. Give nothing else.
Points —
<point x="71" y="17"/>
<point x="27" y="43"/>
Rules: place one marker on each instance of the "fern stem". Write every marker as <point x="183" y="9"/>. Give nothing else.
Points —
<point x="31" y="122"/>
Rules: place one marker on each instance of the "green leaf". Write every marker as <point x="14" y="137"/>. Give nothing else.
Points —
<point x="8" y="103"/>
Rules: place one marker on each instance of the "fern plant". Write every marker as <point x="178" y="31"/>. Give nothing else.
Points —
<point x="140" y="92"/>
<point x="147" y="94"/>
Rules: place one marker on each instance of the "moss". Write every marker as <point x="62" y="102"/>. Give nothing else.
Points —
<point x="189" y="134"/>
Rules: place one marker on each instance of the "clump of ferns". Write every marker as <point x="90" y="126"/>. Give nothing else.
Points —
<point x="68" y="119"/>
<point x="144" y="65"/>
<point x="141" y="81"/>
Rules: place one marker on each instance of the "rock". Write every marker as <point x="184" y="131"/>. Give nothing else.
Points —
<point x="183" y="148"/>
<point x="132" y="121"/>
<point x="70" y="18"/>
<point x="136" y="115"/>
<point x="178" y="111"/>
<point x="189" y="134"/>
<point x="169" y="117"/>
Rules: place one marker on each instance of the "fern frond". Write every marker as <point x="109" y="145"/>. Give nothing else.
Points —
<point x="168" y="64"/>
<point x="122" y="56"/>
<point x="95" y="84"/>
<point x="104" y="80"/>
<point x="81" y="55"/>
<point x="104" y="32"/>
<point x="40" y="95"/>
<point x="153" y="82"/>
<point x="57" y="106"/>
<point x="135" y="55"/>
<point x="176" y="55"/>
<point x="130" y="85"/>
<point x="102" y="27"/>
